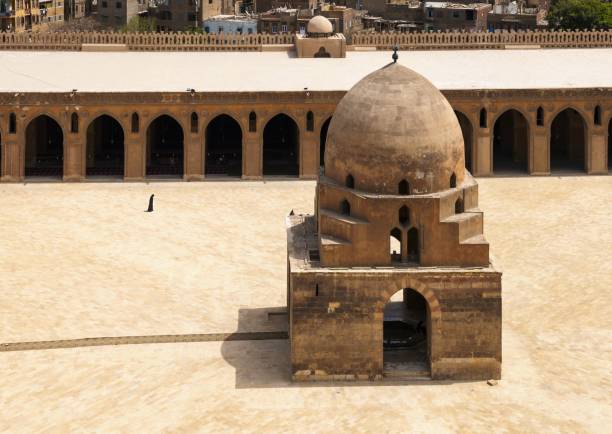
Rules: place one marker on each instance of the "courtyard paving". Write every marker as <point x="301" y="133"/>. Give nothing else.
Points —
<point x="85" y="260"/>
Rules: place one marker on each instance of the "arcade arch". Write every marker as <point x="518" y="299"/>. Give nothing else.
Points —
<point x="44" y="150"/>
<point x="223" y="147"/>
<point x="281" y="149"/>
<point x="164" y="147"/>
<point x="511" y="142"/>
<point x="105" y="155"/>
<point x="568" y="141"/>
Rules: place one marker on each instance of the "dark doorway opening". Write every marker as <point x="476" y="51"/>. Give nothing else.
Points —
<point x="511" y="142"/>
<point x="223" y="147"/>
<point x="322" y="141"/>
<point x="467" y="132"/>
<point x="406" y="327"/>
<point x="105" y="148"/>
<point x="44" y="148"/>
<point x="567" y="141"/>
<point x="281" y="147"/>
<point x="164" y="147"/>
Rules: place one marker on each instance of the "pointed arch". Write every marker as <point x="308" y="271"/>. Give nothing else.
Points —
<point x="345" y="207"/>
<point x="223" y="146"/>
<point x="540" y="117"/>
<point x="12" y="123"/>
<point x="403" y="188"/>
<point x="511" y="142"/>
<point x="483" y="118"/>
<point x="281" y="146"/>
<point x="105" y="148"/>
<point x="310" y="121"/>
<point x="568" y="139"/>
<point x="252" y="122"/>
<point x="44" y="153"/>
<point x="404" y="215"/>
<point x="350" y="181"/>
<point x="165" y="151"/>
<point x="194" y="123"/>
<point x="395" y="245"/>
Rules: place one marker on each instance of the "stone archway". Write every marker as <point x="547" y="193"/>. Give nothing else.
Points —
<point x="164" y="147"/>
<point x="511" y="142"/>
<point x="323" y="140"/>
<point x="568" y="141"/>
<point x="407" y="324"/>
<point x="281" y="148"/>
<point x="223" y="147"/>
<point x="105" y="154"/>
<point x="468" y="138"/>
<point x="44" y="150"/>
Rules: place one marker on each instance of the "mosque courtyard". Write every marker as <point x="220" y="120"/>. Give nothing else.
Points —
<point x="84" y="260"/>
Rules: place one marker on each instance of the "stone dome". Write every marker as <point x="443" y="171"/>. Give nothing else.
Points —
<point x="394" y="125"/>
<point x="319" y="25"/>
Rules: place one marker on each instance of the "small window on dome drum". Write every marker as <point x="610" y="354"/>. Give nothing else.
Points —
<point x="345" y="207"/>
<point x="350" y="181"/>
<point x="458" y="206"/>
<point x="453" y="181"/>
<point x="403" y="187"/>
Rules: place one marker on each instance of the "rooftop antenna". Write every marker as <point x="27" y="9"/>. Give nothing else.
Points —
<point x="395" y="56"/>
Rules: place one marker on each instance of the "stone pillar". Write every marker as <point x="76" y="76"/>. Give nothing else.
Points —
<point x="252" y="154"/>
<point x="12" y="166"/>
<point x="74" y="145"/>
<point x="483" y="139"/>
<point x="194" y="157"/>
<point x="596" y="148"/>
<point x="539" y="158"/>
<point x="134" y="157"/>
<point x="309" y="155"/>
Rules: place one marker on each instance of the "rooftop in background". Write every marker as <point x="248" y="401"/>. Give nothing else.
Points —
<point x="279" y="71"/>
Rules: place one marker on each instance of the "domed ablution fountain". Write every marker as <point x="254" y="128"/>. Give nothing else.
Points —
<point x="391" y="278"/>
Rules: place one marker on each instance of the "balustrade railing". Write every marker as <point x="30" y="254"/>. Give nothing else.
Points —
<point x="74" y="41"/>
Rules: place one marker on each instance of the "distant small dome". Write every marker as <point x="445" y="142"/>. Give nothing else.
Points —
<point x="319" y="26"/>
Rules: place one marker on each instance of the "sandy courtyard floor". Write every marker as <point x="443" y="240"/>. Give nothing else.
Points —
<point x="84" y="260"/>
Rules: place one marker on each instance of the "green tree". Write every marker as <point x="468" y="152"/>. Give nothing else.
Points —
<point x="140" y="24"/>
<point x="580" y="14"/>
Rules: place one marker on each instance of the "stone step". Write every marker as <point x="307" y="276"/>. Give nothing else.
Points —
<point x="330" y="241"/>
<point x="469" y="224"/>
<point x="348" y="219"/>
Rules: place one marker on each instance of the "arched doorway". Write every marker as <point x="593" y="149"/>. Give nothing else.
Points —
<point x="567" y="141"/>
<point x="322" y="141"/>
<point x="164" y="147"/>
<point x="406" y="328"/>
<point x="105" y="154"/>
<point x="281" y="149"/>
<point x="511" y="142"/>
<point x="223" y="147"/>
<point x="44" y="155"/>
<point x="468" y="134"/>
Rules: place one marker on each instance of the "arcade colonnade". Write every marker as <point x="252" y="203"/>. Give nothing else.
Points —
<point x="76" y="137"/>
